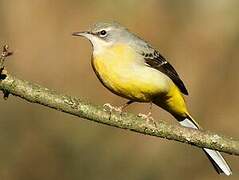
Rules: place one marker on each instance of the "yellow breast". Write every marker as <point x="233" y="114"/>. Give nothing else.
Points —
<point x="122" y="70"/>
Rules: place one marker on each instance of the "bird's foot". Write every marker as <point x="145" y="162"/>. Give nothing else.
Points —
<point x="148" y="117"/>
<point x="110" y="108"/>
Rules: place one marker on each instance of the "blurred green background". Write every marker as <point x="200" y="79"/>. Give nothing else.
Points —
<point x="201" y="40"/>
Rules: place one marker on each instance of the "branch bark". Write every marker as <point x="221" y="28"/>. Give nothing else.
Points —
<point x="35" y="93"/>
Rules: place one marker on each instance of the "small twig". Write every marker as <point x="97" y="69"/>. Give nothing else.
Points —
<point x="5" y="53"/>
<point x="3" y="73"/>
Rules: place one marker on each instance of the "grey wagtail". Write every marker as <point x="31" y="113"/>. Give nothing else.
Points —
<point x="131" y="68"/>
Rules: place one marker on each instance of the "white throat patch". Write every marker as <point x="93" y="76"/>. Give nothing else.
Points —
<point x="98" y="44"/>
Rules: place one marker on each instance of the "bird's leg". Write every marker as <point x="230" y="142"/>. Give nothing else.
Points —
<point x="148" y="117"/>
<point x="109" y="107"/>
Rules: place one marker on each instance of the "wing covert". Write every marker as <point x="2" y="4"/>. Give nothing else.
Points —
<point x="156" y="60"/>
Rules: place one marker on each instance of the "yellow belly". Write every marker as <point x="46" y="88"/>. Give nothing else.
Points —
<point x="173" y="102"/>
<point x="122" y="71"/>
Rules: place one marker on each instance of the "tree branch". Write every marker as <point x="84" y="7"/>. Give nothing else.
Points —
<point x="37" y="94"/>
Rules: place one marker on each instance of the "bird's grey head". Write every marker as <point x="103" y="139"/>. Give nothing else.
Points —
<point x="105" y="34"/>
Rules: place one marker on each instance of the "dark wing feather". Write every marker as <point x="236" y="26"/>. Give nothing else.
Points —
<point x="157" y="61"/>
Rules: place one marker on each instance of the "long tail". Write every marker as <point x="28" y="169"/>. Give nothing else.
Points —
<point x="215" y="157"/>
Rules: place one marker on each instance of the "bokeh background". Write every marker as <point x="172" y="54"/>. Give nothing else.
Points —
<point x="201" y="40"/>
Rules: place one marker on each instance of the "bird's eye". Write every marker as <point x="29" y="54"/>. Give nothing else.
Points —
<point x="103" y="33"/>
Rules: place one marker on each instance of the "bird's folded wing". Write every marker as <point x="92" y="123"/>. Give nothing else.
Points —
<point x="155" y="60"/>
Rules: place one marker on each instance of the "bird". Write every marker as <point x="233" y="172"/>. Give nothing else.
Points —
<point x="130" y="67"/>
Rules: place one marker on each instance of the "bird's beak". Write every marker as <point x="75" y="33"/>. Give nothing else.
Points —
<point x="83" y="33"/>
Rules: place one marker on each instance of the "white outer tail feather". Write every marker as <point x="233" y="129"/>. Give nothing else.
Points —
<point x="215" y="155"/>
